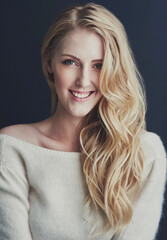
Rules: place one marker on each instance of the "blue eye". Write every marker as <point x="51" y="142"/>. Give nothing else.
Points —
<point x="68" y="62"/>
<point x="98" y="65"/>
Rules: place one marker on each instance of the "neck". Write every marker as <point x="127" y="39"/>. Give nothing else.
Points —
<point x="65" y="130"/>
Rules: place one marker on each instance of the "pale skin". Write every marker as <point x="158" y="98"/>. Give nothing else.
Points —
<point x="76" y="67"/>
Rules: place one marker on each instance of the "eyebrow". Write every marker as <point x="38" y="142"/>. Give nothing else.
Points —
<point x="69" y="55"/>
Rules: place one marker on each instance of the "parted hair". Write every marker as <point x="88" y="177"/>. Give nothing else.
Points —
<point x="111" y="152"/>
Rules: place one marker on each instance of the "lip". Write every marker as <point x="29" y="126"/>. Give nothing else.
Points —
<point x="81" y="92"/>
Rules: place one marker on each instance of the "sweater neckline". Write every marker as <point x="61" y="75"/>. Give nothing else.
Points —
<point x="40" y="148"/>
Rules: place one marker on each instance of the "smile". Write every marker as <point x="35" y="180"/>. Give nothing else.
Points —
<point x="81" y="95"/>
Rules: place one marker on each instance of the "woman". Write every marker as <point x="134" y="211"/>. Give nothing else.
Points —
<point x="90" y="170"/>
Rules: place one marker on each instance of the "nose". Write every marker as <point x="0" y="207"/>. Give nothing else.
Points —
<point x="83" y="78"/>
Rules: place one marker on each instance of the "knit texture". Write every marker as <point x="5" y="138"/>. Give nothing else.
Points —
<point x="42" y="193"/>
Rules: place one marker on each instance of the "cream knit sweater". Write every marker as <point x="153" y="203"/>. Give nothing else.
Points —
<point x="42" y="193"/>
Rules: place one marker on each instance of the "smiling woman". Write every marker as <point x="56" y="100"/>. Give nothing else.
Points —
<point x="76" y="74"/>
<point x="90" y="170"/>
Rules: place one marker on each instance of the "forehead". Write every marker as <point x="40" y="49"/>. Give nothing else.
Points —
<point x="82" y="43"/>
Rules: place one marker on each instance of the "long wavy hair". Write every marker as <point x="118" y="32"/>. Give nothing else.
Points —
<point x="111" y="152"/>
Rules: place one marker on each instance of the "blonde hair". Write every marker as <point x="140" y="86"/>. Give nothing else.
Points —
<point x="111" y="152"/>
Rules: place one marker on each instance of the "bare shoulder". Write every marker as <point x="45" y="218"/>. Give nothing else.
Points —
<point x="25" y="132"/>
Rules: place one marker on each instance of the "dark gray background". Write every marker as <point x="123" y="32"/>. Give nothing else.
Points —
<point x="24" y="94"/>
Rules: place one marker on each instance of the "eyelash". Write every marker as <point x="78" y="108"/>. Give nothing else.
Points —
<point x="71" y="62"/>
<point x="99" y="66"/>
<point x="68" y="62"/>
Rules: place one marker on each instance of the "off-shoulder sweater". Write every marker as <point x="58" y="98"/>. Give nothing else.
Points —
<point x="42" y="193"/>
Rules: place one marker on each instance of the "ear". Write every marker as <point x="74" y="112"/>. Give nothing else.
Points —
<point x="48" y="66"/>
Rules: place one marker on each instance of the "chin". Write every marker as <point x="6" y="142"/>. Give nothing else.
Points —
<point x="80" y="114"/>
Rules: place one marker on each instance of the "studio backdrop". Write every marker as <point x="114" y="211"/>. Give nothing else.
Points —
<point x="24" y="93"/>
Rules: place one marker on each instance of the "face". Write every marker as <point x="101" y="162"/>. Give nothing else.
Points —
<point x="76" y="67"/>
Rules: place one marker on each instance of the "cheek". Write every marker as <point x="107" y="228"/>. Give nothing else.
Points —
<point x="95" y="77"/>
<point x="64" y="77"/>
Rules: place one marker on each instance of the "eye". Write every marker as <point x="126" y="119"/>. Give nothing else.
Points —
<point x="98" y="66"/>
<point x="69" y="62"/>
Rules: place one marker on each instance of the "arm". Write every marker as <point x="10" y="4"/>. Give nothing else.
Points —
<point x="14" y="205"/>
<point x="148" y="207"/>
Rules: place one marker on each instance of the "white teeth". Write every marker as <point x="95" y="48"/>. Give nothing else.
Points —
<point x="80" y="95"/>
